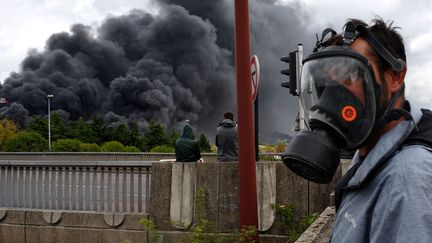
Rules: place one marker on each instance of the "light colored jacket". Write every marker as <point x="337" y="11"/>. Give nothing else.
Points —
<point x="395" y="204"/>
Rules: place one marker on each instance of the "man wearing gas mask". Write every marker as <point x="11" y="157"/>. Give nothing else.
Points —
<point x="352" y="92"/>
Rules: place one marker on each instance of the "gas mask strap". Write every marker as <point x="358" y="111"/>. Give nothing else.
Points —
<point x="321" y="43"/>
<point x="349" y="34"/>
<point x="396" y="64"/>
<point x="391" y="114"/>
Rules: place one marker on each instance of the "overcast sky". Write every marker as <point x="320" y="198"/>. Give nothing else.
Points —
<point x="28" y="23"/>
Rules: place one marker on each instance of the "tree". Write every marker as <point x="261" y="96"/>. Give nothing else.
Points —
<point x="121" y="134"/>
<point x="58" y="127"/>
<point x="155" y="135"/>
<point x="8" y="130"/>
<point x="204" y="143"/>
<point x="134" y="138"/>
<point x="172" y="137"/>
<point x="26" y="142"/>
<point x="66" y="145"/>
<point x="112" y="146"/>
<point x="99" y="128"/>
<point x="39" y="124"/>
<point x="82" y="131"/>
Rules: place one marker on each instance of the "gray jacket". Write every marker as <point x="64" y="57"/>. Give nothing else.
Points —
<point x="395" y="204"/>
<point x="226" y="141"/>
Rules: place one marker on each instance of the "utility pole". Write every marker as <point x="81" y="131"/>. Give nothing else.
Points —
<point x="247" y="160"/>
<point x="49" y="97"/>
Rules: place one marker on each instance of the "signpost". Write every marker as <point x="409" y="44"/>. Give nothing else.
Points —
<point x="255" y="68"/>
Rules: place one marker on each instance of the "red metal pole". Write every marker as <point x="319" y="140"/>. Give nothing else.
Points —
<point x="247" y="170"/>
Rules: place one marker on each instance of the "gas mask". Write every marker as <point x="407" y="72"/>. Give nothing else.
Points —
<point x="339" y="96"/>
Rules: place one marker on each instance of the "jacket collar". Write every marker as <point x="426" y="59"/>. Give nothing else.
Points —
<point x="384" y="148"/>
<point x="227" y="123"/>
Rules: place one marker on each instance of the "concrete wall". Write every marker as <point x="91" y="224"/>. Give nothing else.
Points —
<point x="320" y="231"/>
<point x="222" y="196"/>
<point x="222" y="207"/>
<point x="25" y="226"/>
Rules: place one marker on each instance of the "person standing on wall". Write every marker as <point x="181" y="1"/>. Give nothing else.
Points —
<point x="226" y="139"/>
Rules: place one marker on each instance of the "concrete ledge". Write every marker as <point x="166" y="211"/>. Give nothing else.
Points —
<point x="320" y="231"/>
<point x="13" y="216"/>
<point x="53" y="234"/>
<point x="186" y="236"/>
<point x="2" y="214"/>
<point x="31" y="226"/>
<point x="113" y="219"/>
<point x="52" y="217"/>
<point x="12" y="233"/>
<point x="95" y="220"/>
<point x="182" y="194"/>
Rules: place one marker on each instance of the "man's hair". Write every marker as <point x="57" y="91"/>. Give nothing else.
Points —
<point x="229" y="115"/>
<point x="390" y="38"/>
<point x="387" y="34"/>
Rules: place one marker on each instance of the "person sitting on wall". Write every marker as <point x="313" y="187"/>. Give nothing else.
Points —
<point x="186" y="148"/>
<point x="226" y="139"/>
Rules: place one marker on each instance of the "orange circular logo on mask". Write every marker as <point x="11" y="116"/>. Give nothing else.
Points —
<point x="349" y="113"/>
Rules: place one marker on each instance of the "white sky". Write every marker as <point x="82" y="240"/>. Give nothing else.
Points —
<point x="415" y="19"/>
<point x="27" y="24"/>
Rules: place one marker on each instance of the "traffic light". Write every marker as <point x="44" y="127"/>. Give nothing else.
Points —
<point x="294" y="59"/>
<point x="291" y="72"/>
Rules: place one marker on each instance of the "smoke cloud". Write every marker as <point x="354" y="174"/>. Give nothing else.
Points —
<point x="174" y="66"/>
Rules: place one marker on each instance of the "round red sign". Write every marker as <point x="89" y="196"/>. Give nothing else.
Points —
<point x="255" y="68"/>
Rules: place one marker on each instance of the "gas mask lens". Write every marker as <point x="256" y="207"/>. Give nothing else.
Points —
<point x="337" y="94"/>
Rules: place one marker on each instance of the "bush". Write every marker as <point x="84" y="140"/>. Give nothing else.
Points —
<point x="112" y="146"/>
<point x="280" y="146"/>
<point x="131" y="149"/>
<point x="26" y="142"/>
<point x="89" y="147"/>
<point x="163" y="149"/>
<point x="66" y="145"/>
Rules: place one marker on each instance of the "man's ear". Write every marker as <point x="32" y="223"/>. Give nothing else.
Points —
<point x="395" y="79"/>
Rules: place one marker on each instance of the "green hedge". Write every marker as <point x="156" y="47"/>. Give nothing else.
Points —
<point x="66" y="145"/>
<point x="163" y="149"/>
<point x="89" y="147"/>
<point x="26" y="142"/>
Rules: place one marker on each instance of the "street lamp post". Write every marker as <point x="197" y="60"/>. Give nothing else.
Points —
<point x="49" y="97"/>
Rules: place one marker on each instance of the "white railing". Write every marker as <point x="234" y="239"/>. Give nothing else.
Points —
<point x="100" y="186"/>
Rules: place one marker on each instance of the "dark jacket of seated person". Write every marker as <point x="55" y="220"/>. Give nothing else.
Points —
<point x="186" y="148"/>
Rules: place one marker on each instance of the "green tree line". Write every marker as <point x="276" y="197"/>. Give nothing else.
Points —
<point x="89" y="136"/>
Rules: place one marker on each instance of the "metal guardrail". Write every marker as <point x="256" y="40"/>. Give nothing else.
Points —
<point x="101" y="186"/>
<point x="99" y="182"/>
<point x="111" y="156"/>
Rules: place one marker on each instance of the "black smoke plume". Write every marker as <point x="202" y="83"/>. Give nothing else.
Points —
<point x="173" y="66"/>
